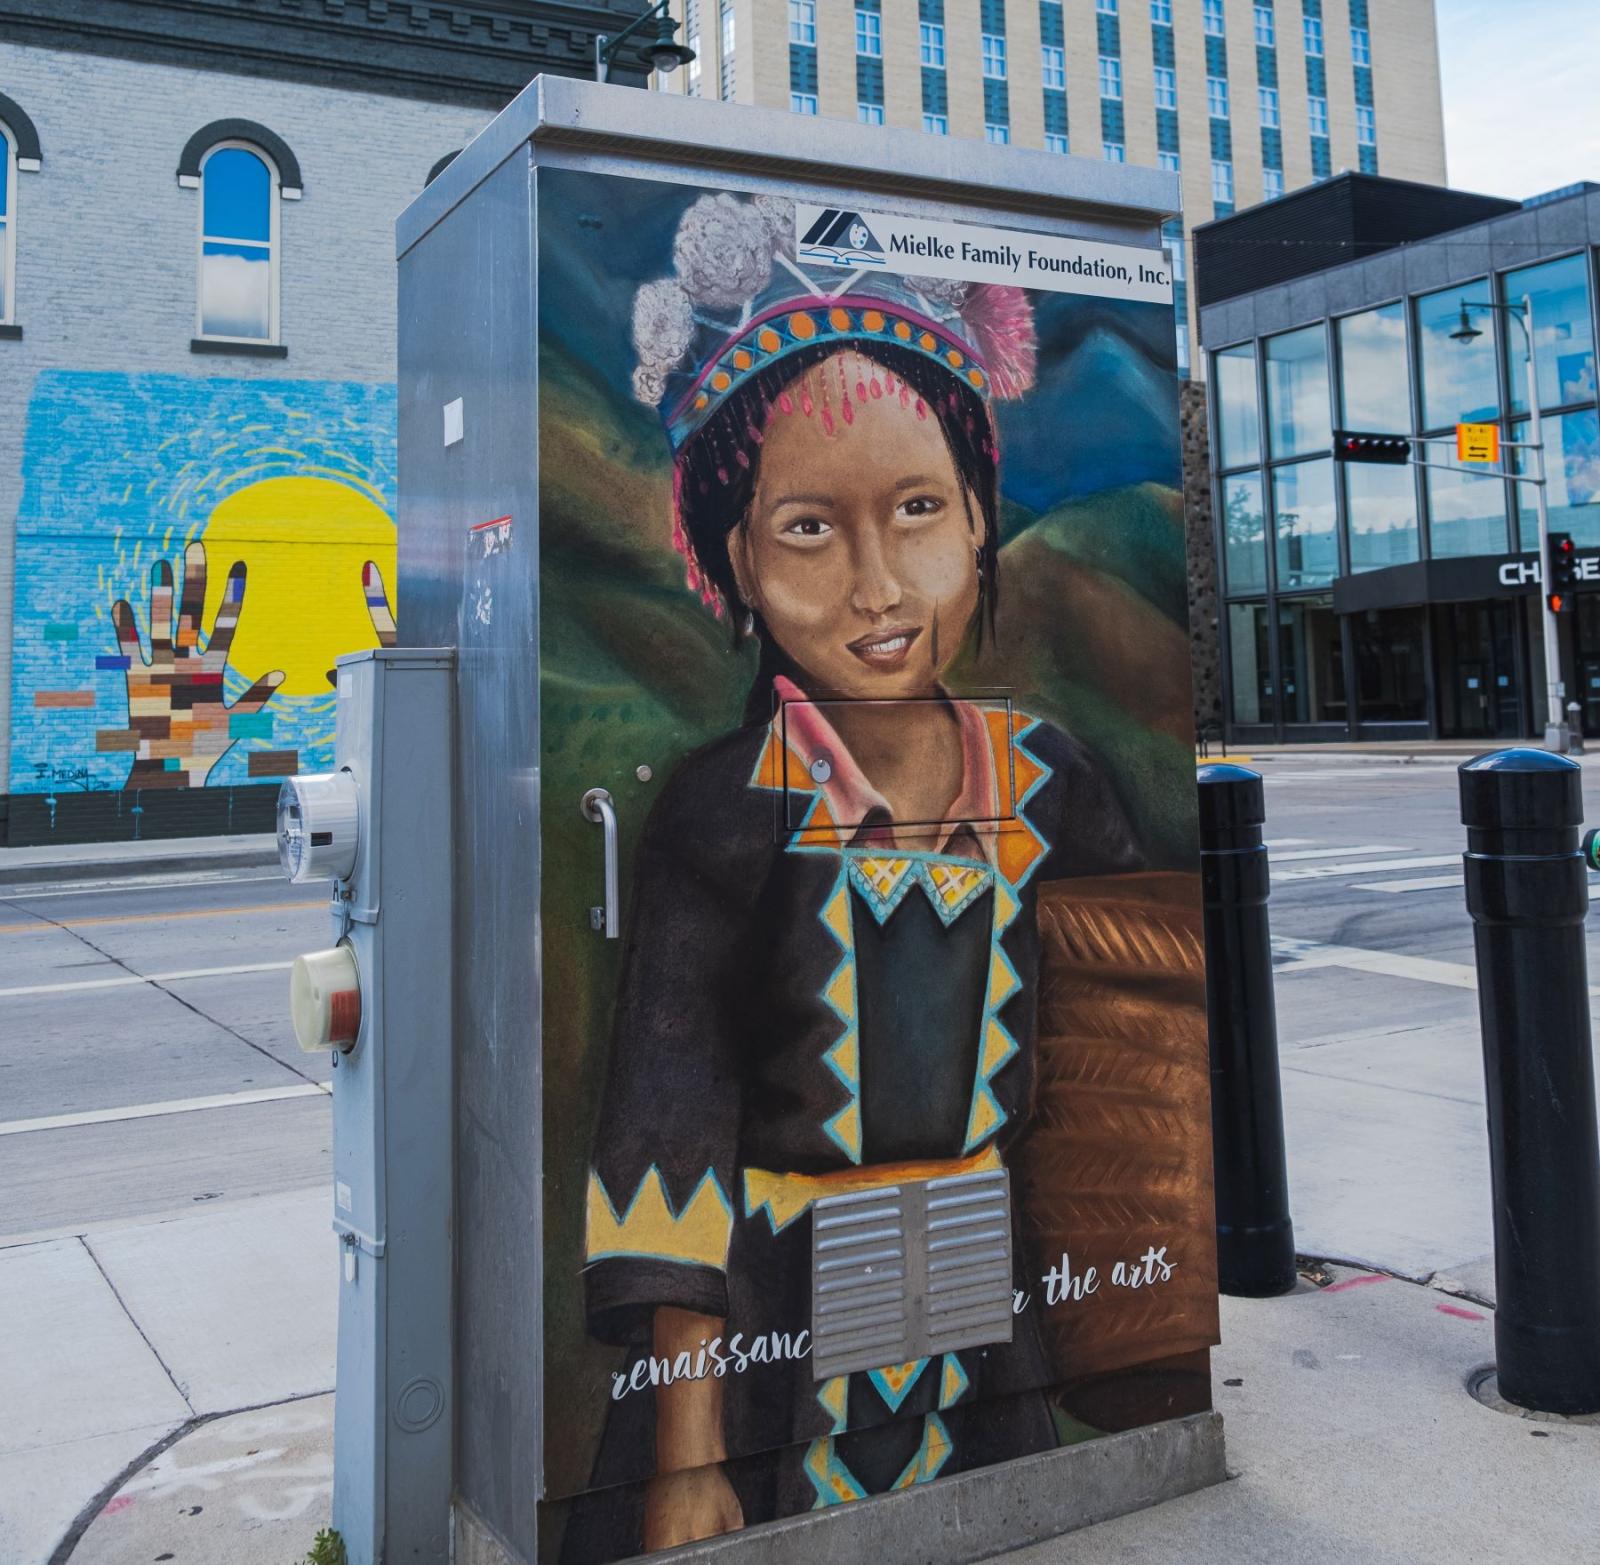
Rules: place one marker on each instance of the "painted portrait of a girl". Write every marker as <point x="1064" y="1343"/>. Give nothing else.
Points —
<point x="829" y="972"/>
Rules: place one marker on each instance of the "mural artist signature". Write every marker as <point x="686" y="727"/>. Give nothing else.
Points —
<point x="78" y="776"/>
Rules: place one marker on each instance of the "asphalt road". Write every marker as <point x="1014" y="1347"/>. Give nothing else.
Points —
<point x="119" y="1000"/>
<point x="124" y="1004"/>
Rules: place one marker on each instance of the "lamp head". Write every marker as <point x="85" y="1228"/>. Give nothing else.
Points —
<point x="666" y="54"/>
<point x="1466" y="331"/>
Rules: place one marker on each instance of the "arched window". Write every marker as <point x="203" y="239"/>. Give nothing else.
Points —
<point x="19" y="153"/>
<point x="238" y="293"/>
<point x="243" y="172"/>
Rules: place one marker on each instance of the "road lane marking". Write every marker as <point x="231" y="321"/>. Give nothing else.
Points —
<point x="221" y="1100"/>
<point x="1369" y="867"/>
<point x="159" y="918"/>
<point x="146" y="978"/>
<point x="1337" y="853"/>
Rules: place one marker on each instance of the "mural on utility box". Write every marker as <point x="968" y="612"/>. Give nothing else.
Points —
<point x="880" y="1151"/>
<point x="192" y="556"/>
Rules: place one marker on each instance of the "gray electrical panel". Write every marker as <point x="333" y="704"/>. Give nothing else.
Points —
<point x="381" y="998"/>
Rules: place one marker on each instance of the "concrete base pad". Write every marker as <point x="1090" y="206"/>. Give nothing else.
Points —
<point x="966" y="1517"/>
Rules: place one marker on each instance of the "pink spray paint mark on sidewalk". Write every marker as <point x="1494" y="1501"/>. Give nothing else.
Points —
<point x="121" y="1503"/>
<point x="1458" y="1312"/>
<point x="1357" y="1282"/>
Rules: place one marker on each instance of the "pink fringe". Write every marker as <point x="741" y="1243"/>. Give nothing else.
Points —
<point x="1000" y="319"/>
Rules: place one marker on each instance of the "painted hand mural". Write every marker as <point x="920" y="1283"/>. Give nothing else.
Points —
<point x="179" y="722"/>
<point x="288" y="486"/>
<point x="382" y="617"/>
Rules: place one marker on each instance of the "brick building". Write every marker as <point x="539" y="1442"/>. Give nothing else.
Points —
<point x="197" y="319"/>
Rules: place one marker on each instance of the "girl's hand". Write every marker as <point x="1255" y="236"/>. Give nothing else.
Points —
<point x="687" y="1506"/>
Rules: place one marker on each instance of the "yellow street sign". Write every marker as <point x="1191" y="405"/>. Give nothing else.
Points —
<point x="1478" y="442"/>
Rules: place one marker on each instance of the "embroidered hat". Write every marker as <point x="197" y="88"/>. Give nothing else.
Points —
<point x="739" y="302"/>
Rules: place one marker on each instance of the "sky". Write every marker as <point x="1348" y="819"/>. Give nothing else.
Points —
<point x="1521" y="93"/>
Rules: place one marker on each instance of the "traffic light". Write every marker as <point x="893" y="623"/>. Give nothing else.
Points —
<point x="1352" y="445"/>
<point x="1563" y="572"/>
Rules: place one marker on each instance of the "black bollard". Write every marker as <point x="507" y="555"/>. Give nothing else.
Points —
<point x="1528" y="895"/>
<point x="1255" y="1237"/>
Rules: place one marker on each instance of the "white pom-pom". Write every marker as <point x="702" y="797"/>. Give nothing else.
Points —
<point x="947" y="291"/>
<point x="663" y="323"/>
<point x="778" y="215"/>
<point x="649" y="385"/>
<point x="723" y="252"/>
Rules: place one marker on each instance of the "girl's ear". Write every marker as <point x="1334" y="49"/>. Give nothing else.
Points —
<point x="976" y="521"/>
<point x="744" y="576"/>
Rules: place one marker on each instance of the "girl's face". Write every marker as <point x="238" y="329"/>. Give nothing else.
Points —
<point x="860" y="549"/>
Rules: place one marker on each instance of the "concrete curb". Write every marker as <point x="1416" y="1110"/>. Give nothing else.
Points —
<point x="179" y="859"/>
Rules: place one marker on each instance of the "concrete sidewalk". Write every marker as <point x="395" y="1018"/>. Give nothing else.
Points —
<point x="1352" y="1436"/>
<point x="119" y="1337"/>
<point x="54" y="862"/>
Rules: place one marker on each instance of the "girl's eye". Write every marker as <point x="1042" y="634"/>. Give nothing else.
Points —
<point x="921" y="505"/>
<point x="808" y="527"/>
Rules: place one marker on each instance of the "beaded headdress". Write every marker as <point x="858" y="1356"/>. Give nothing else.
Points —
<point x="739" y="303"/>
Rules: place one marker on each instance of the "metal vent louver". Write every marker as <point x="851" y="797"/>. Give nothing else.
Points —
<point x="910" y="1271"/>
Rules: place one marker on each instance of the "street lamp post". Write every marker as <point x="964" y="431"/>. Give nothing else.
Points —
<point x="1557" y="735"/>
<point x="665" y="54"/>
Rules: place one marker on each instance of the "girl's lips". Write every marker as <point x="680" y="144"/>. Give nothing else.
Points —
<point x="886" y="648"/>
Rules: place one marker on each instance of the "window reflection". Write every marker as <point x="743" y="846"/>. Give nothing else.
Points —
<point x="1458" y="380"/>
<point x="236" y="246"/>
<point x="1244" y="533"/>
<point x="1391" y="665"/>
<point x="1303" y="523"/>
<point x="1466" y="515"/>
<point x="1239" y="419"/>
<point x="1373" y="388"/>
<point x="1297" y="392"/>
<point x="1250" y="663"/>
<point x="5" y="220"/>
<point x="1380" y="505"/>
<point x="1562" y="330"/>
<point x="1572" y="461"/>
<point x="1311" y="658"/>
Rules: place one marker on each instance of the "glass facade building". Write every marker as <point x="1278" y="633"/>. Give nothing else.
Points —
<point x="1386" y="601"/>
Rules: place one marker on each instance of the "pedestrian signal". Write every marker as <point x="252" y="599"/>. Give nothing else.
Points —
<point x="1351" y="445"/>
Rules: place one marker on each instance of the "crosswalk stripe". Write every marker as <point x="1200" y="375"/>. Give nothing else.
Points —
<point x="1366" y="867"/>
<point x="1337" y="853"/>
<point x="1422" y="883"/>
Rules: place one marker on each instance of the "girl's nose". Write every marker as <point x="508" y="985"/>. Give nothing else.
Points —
<point x="875" y="590"/>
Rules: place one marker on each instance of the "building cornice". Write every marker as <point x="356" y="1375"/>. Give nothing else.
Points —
<point x="474" y="52"/>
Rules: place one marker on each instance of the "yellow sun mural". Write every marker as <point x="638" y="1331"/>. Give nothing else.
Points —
<point x="304" y="543"/>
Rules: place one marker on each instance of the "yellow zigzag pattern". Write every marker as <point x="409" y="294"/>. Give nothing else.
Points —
<point x="696" y="1236"/>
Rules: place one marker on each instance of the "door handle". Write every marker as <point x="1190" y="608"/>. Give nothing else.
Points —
<point x="597" y="806"/>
